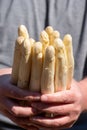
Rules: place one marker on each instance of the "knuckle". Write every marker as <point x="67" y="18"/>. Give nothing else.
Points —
<point x="64" y="98"/>
<point x="67" y="97"/>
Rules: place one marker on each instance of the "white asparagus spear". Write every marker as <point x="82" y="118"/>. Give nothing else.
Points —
<point x="49" y="31"/>
<point x="32" y="41"/>
<point x="44" y="39"/>
<point x="25" y="65"/>
<point x="55" y="35"/>
<point x="16" y="60"/>
<point x="47" y="79"/>
<point x="60" y="66"/>
<point x="69" y="50"/>
<point x="22" y="31"/>
<point x="36" y="70"/>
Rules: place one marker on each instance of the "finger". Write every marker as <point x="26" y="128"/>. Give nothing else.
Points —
<point x="44" y="127"/>
<point x="22" y="122"/>
<point x="58" y="122"/>
<point x="14" y="119"/>
<point x="68" y="125"/>
<point x="23" y="111"/>
<point x="39" y="127"/>
<point x="66" y="96"/>
<point x="56" y="109"/>
<point x="33" y="126"/>
<point x="15" y="92"/>
<point x="5" y="71"/>
<point x="20" y="94"/>
<point x="18" y="111"/>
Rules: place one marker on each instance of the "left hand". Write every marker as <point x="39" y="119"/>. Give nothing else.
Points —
<point x="65" y="105"/>
<point x="12" y="101"/>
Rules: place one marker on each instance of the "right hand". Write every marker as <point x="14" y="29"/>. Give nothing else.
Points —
<point x="10" y="97"/>
<point x="66" y="106"/>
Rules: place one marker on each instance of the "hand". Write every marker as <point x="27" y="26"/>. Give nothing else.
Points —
<point x="10" y="98"/>
<point x="66" y="106"/>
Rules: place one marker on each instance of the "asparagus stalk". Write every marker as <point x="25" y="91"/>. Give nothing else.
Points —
<point x="25" y="65"/>
<point x="44" y="39"/>
<point x="49" y="31"/>
<point x="60" y="66"/>
<point x="55" y="35"/>
<point x="69" y="51"/>
<point x="47" y="79"/>
<point x="32" y="41"/>
<point x="16" y="60"/>
<point x="22" y="31"/>
<point x="36" y="69"/>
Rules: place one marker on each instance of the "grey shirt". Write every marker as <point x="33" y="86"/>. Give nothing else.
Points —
<point x="66" y="16"/>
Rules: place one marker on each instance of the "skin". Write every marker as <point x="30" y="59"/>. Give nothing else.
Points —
<point x="10" y="97"/>
<point x="65" y="105"/>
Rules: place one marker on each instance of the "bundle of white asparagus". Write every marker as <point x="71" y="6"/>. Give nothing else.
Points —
<point x="46" y="66"/>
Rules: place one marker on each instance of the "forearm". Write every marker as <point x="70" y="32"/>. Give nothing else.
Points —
<point x="83" y="87"/>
